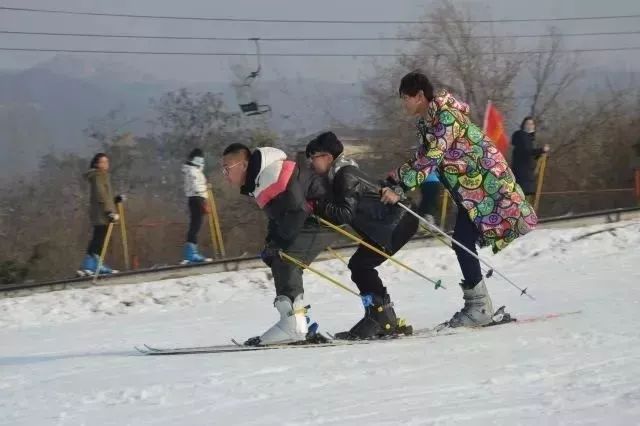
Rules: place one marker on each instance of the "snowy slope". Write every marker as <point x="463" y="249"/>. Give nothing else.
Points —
<point x="66" y="357"/>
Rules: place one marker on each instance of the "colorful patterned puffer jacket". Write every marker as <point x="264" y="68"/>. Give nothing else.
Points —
<point x="473" y="171"/>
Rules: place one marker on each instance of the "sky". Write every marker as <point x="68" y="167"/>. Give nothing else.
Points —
<point x="349" y="69"/>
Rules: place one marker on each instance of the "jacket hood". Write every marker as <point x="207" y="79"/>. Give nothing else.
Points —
<point x="445" y="101"/>
<point x="188" y="167"/>
<point x="92" y="173"/>
<point x="339" y="163"/>
<point x="260" y="159"/>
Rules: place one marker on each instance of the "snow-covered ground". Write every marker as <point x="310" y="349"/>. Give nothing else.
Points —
<point x="67" y="358"/>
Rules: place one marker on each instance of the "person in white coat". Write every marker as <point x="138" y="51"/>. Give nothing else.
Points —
<point x="195" y="189"/>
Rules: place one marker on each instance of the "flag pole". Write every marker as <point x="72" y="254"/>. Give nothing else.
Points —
<point x="485" y="123"/>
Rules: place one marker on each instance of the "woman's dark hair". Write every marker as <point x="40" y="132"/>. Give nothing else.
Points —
<point x="414" y="82"/>
<point x="95" y="159"/>
<point x="527" y="118"/>
<point x="196" y="152"/>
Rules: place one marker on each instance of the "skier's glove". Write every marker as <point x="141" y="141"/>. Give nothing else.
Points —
<point x="204" y="206"/>
<point x="269" y="252"/>
<point x="113" y="217"/>
<point x="120" y="198"/>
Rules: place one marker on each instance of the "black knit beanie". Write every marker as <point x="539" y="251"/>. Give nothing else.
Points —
<point x="326" y="142"/>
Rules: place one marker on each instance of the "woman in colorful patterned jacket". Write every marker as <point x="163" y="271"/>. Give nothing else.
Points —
<point x="492" y="210"/>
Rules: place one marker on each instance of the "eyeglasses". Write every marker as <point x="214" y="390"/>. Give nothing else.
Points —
<point x="313" y="157"/>
<point x="225" y="169"/>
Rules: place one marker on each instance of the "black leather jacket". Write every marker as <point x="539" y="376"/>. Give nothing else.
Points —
<point x="354" y="202"/>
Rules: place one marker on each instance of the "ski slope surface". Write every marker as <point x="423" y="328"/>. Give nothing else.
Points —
<point x="68" y="358"/>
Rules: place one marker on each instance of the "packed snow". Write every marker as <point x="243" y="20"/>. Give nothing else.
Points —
<point x="67" y="357"/>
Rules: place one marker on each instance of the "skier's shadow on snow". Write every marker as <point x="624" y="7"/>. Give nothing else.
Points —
<point x="37" y="359"/>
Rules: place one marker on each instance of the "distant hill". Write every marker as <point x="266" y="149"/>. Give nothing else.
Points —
<point x="45" y="108"/>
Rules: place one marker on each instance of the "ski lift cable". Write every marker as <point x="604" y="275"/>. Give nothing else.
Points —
<point x="310" y="21"/>
<point x="304" y="38"/>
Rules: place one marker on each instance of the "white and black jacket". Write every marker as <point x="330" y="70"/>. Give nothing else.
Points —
<point x="280" y="188"/>
<point x="195" y="183"/>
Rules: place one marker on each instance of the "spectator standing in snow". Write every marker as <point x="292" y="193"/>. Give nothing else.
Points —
<point x="196" y="191"/>
<point x="102" y="211"/>
<point x="524" y="155"/>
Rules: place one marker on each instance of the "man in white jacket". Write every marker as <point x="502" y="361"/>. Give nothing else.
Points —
<point x="195" y="189"/>
<point x="281" y="189"/>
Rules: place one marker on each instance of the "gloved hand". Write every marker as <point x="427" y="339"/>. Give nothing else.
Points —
<point x="120" y="198"/>
<point x="204" y="206"/>
<point x="269" y="252"/>
<point x="311" y="206"/>
<point x="113" y="217"/>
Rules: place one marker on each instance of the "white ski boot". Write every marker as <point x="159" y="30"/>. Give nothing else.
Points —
<point x="292" y="326"/>
<point x="477" y="310"/>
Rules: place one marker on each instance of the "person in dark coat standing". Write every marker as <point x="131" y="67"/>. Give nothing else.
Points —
<point x="525" y="153"/>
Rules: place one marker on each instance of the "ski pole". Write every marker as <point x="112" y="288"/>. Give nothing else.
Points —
<point x="212" y="231"/>
<point x="103" y="252"/>
<point x="454" y="241"/>
<point x="438" y="283"/>
<point x="299" y="264"/>
<point x="488" y="274"/>
<point x="216" y="222"/>
<point x="542" y="165"/>
<point x="336" y="255"/>
<point x="123" y="233"/>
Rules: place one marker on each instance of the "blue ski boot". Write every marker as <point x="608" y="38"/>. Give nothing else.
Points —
<point x="191" y="255"/>
<point x="88" y="267"/>
<point x="104" y="268"/>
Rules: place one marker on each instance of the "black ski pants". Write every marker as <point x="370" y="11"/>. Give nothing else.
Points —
<point x="196" y="215"/>
<point x="97" y="241"/>
<point x="467" y="234"/>
<point x="364" y="261"/>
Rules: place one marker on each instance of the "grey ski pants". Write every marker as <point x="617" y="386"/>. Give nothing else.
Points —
<point x="309" y="243"/>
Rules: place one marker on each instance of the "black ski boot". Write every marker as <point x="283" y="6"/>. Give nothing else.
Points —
<point x="379" y="320"/>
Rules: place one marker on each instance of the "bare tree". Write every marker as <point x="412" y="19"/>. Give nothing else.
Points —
<point x="553" y="74"/>
<point x="450" y="53"/>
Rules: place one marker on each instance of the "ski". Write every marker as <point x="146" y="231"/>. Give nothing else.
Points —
<point x="424" y="333"/>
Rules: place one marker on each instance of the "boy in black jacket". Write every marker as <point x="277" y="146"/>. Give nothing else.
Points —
<point x="352" y="201"/>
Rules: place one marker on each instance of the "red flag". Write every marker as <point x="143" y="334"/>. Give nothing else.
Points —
<point x="494" y="128"/>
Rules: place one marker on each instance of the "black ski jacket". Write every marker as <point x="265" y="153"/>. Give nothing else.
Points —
<point x="523" y="161"/>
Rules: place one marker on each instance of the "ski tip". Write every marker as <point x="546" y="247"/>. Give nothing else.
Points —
<point x="151" y="349"/>
<point x="142" y="351"/>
